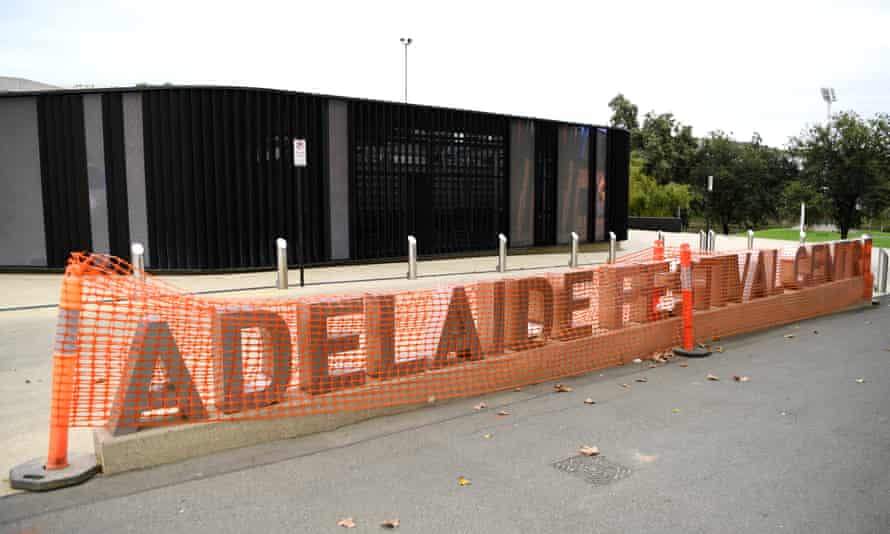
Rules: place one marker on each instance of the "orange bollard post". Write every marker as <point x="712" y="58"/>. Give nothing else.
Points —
<point x="688" y="349"/>
<point x="59" y="470"/>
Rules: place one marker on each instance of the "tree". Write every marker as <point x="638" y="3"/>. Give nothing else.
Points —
<point x="668" y="147"/>
<point x="719" y="157"/>
<point x="624" y="115"/>
<point x="650" y="199"/>
<point x="847" y="160"/>
<point x="796" y="192"/>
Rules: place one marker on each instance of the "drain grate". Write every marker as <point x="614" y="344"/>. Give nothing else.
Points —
<point x="596" y="470"/>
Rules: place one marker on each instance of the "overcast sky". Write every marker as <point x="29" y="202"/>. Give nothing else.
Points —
<point x="738" y="66"/>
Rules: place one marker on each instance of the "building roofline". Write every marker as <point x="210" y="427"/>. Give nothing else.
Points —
<point x="134" y="88"/>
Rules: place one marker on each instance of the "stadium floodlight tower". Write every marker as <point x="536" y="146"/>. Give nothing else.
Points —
<point x="828" y="96"/>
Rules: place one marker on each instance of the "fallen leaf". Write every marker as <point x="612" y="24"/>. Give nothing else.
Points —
<point x="740" y="378"/>
<point x="715" y="338"/>
<point x="463" y="481"/>
<point x="642" y="379"/>
<point x="487" y="436"/>
<point x="684" y="364"/>
<point x="788" y="336"/>
<point x="714" y="378"/>
<point x="390" y="523"/>
<point x="562" y="388"/>
<point x="431" y="399"/>
<point x="625" y="386"/>
<point x="719" y="349"/>
<point x="637" y="360"/>
<point x="702" y="346"/>
<point x="815" y="331"/>
<point x="27" y="381"/>
<point x="587" y="450"/>
<point x="503" y="413"/>
<point x="652" y="366"/>
<point x="588" y="400"/>
<point x="480" y="406"/>
<point x="860" y="380"/>
<point x="646" y="458"/>
<point x="675" y="410"/>
<point x="346" y="522"/>
<point x="517" y="390"/>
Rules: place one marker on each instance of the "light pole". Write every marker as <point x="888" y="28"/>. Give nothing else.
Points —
<point x="828" y="96"/>
<point x="406" y="41"/>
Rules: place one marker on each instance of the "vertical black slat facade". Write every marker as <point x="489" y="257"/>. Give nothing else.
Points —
<point x="437" y="174"/>
<point x="63" y="173"/>
<point x="617" y="181"/>
<point x="116" y="175"/>
<point x="220" y="176"/>
<point x="546" y="161"/>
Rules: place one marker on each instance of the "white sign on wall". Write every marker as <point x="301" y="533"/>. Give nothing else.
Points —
<point x="299" y="152"/>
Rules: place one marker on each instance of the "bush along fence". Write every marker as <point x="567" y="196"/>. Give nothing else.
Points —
<point x="133" y="352"/>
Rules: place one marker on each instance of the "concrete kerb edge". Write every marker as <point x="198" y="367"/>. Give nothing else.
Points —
<point x="165" y="445"/>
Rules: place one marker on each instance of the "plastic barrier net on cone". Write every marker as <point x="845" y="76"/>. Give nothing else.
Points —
<point x="148" y="354"/>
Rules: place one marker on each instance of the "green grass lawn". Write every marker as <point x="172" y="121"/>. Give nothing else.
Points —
<point x="880" y="239"/>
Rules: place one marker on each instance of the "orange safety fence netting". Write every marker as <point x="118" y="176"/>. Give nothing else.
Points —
<point x="146" y="353"/>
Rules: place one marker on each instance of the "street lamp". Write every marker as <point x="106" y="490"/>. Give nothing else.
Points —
<point x="405" y="42"/>
<point x="828" y="96"/>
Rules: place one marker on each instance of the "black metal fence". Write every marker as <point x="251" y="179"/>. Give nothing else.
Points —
<point x="220" y="181"/>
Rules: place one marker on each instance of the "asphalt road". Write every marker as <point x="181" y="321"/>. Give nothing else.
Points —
<point x="801" y="447"/>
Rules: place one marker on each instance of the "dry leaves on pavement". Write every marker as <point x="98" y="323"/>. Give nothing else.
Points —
<point x="503" y="413"/>
<point x="562" y="388"/>
<point x="684" y="364"/>
<point x="860" y="380"/>
<point x="587" y="450"/>
<point x="625" y="386"/>
<point x="480" y="406"/>
<point x="789" y="336"/>
<point x="588" y="400"/>
<point x="719" y="349"/>
<point x="740" y="378"/>
<point x="714" y="378"/>
<point x="346" y="522"/>
<point x="642" y="379"/>
<point x="463" y="481"/>
<point x="390" y="523"/>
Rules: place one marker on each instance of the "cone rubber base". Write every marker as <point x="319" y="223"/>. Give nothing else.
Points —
<point x="696" y="352"/>
<point x="33" y="476"/>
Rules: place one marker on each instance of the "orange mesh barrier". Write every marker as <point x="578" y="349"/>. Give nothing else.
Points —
<point x="141" y="353"/>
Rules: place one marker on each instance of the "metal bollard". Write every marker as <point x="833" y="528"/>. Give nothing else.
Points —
<point x="573" y="253"/>
<point x="750" y="239"/>
<point x="281" y="246"/>
<point x="712" y="240"/>
<point x="702" y="240"/>
<point x="137" y="251"/>
<point x="803" y="237"/>
<point x="502" y="253"/>
<point x="612" y="238"/>
<point x="412" y="258"/>
<point x="659" y="236"/>
<point x="883" y="265"/>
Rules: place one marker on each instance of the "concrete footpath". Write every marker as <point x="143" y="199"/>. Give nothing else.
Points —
<point x="800" y="447"/>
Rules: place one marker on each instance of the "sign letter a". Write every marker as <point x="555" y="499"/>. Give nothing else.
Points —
<point x="152" y="344"/>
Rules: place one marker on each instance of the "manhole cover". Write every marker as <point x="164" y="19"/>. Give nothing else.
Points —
<point x="596" y="470"/>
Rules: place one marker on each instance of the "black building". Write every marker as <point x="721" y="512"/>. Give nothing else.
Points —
<point x="208" y="177"/>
